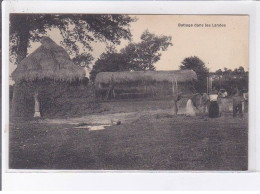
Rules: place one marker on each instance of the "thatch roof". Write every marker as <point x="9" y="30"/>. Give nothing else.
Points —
<point x="120" y="77"/>
<point x="49" y="61"/>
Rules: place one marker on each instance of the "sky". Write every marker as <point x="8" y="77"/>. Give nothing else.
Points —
<point x="223" y="43"/>
<point x="217" y="47"/>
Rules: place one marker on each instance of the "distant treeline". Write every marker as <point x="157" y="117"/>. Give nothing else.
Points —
<point x="230" y="80"/>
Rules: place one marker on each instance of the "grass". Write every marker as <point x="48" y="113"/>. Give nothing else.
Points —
<point x="157" y="142"/>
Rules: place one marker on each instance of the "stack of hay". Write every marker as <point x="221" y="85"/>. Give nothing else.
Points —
<point x="49" y="61"/>
<point x="50" y="72"/>
<point x="147" y="83"/>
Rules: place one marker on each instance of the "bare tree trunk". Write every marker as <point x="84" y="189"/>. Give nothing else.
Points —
<point x="23" y="39"/>
<point x="23" y="42"/>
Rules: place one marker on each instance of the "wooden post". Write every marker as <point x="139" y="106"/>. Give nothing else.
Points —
<point x="175" y="96"/>
<point x="172" y="87"/>
<point x="207" y="85"/>
<point x="176" y="83"/>
<point x="210" y="84"/>
<point x="36" y="105"/>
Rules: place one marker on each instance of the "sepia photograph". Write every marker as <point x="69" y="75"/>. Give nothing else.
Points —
<point x="128" y="92"/>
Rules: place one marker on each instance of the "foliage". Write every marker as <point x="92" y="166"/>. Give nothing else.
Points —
<point x="196" y="64"/>
<point x="239" y="71"/>
<point x="145" y="54"/>
<point x="219" y="72"/>
<point x="228" y="72"/>
<point x="231" y="85"/>
<point x="231" y="80"/>
<point x="77" y="30"/>
<point x="134" y="57"/>
<point x="109" y="62"/>
<point x="83" y="60"/>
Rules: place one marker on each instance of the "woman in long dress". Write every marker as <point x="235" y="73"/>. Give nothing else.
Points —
<point x="213" y="106"/>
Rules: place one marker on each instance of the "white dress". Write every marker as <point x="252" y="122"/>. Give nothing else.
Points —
<point x="190" y="109"/>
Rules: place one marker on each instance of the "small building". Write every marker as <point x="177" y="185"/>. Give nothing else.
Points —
<point x="143" y="83"/>
<point x="44" y="81"/>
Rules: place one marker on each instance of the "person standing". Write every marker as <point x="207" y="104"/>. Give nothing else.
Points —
<point x="237" y="104"/>
<point x="176" y="98"/>
<point x="111" y="89"/>
<point x="205" y="103"/>
<point x="245" y="101"/>
<point x="213" y="106"/>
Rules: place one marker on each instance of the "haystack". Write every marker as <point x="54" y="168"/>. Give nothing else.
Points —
<point x="146" y="83"/>
<point x="158" y="76"/>
<point x="40" y="78"/>
<point x="49" y="61"/>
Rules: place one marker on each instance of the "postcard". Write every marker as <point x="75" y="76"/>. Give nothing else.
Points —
<point x="128" y="92"/>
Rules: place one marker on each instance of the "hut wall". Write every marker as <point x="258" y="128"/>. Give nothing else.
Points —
<point x="57" y="99"/>
<point x="22" y="102"/>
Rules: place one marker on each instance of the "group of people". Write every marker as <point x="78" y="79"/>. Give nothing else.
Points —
<point x="210" y="104"/>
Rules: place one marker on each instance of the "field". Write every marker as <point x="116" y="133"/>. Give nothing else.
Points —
<point x="148" y="137"/>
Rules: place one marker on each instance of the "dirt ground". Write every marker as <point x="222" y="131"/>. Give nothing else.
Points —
<point x="148" y="137"/>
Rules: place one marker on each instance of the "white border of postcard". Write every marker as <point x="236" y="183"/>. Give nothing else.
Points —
<point x="118" y="180"/>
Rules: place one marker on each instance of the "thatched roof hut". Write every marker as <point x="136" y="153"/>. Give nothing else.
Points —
<point x="159" y="76"/>
<point x="49" y="61"/>
<point x="44" y="81"/>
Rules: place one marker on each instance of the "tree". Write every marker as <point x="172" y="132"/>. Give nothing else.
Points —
<point x="83" y="60"/>
<point x="109" y="62"/>
<point x="145" y="54"/>
<point x="227" y="71"/>
<point x="232" y="80"/>
<point x="196" y="64"/>
<point x="135" y="56"/>
<point x="219" y="72"/>
<point x="77" y="30"/>
<point x="241" y="70"/>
